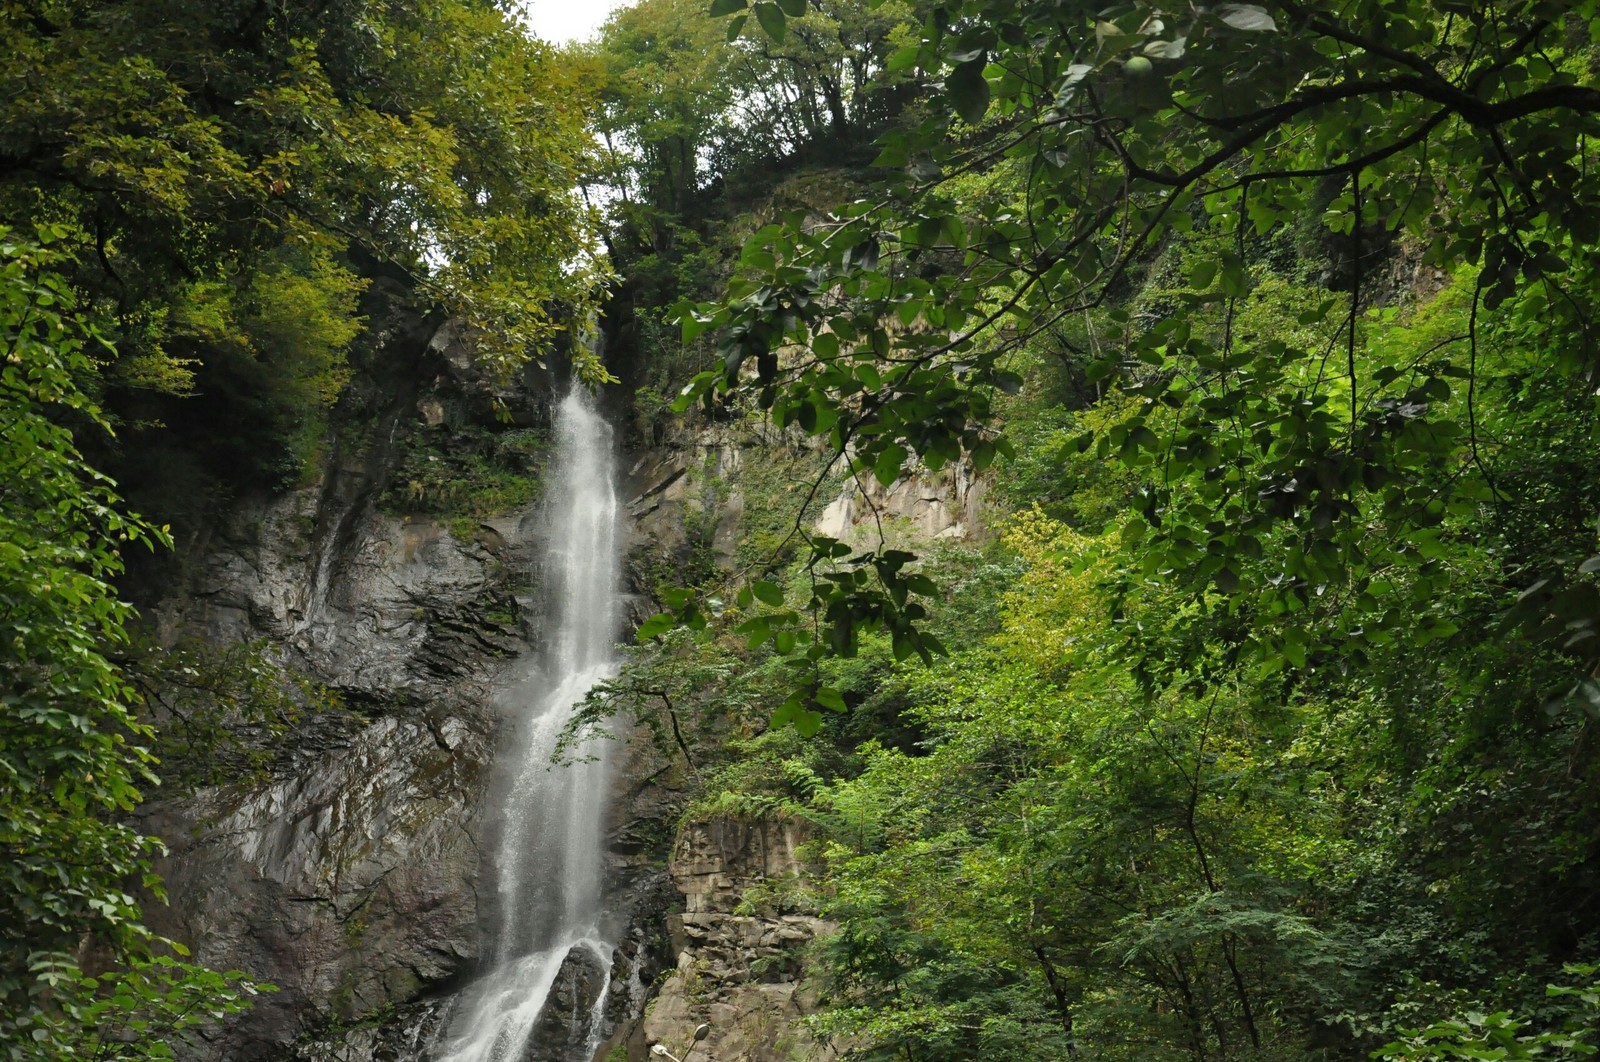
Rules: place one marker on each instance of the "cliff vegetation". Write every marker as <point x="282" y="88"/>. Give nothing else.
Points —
<point x="1259" y="721"/>
<point x="1137" y="579"/>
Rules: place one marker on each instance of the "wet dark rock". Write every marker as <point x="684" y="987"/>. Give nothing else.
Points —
<point x="347" y="873"/>
<point x="349" y="884"/>
<point x="399" y="1034"/>
<point x="565" y="1028"/>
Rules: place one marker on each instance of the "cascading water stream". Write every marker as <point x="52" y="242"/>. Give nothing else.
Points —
<point x="548" y="865"/>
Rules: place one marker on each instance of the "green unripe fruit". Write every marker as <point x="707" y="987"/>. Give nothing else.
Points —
<point x="1138" y="66"/>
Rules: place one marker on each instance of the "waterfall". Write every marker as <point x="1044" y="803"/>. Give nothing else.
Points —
<point x="547" y="870"/>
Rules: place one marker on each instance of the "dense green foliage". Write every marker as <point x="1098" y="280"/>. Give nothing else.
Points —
<point x="467" y="474"/>
<point x="72" y="751"/>
<point x="1278" y="740"/>
<point x="235" y="175"/>
<point x="693" y="120"/>
<point x="1407" y="127"/>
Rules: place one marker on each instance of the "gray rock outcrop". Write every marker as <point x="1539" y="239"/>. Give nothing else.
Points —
<point x="932" y="506"/>
<point x="740" y="971"/>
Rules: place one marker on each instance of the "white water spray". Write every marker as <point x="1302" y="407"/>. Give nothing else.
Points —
<point x="548" y="866"/>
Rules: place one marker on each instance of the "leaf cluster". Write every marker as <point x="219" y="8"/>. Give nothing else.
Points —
<point x="74" y="755"/>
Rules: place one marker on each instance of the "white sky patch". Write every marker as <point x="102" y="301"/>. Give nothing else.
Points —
<point x="561" y="21"/>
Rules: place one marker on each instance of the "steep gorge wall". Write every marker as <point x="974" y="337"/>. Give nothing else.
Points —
<point x="346" y="876"/>
<point x="347" y="872"/>
<point x="741" y="968"/>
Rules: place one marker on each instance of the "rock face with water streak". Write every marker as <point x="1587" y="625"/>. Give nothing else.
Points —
<point x="347" y="876"/>
<point x="350" y="886"/>
<point x="549" y="973"/>
<point x="354" y="873"/>
<point x="345" y="873"/>
<point x="350" y="873"/>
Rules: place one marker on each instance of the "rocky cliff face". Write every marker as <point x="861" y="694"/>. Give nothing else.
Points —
<point x="347" y="876"/>
<point x="346" y="873"/>
<point x="741" y="937"/>
<point x="741" y="965"/>
<point x="929" y="506"/>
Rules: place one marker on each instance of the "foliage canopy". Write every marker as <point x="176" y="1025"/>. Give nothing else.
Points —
<point x="230" y="169"/>
<point x="1455" y="136"/>
<point x="73" y="754"/>
<point x="1281" y="745"/>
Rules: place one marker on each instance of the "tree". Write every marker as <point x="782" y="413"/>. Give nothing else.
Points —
<point x="196" y="146"/>
<point x="1457" y="131"/>
<point x="1061" y="865"/>
<point x="669" y="87"/>
<point x="824" y="84"/>
<point x="688" y="105"/>
<point x="73" y="756"/>
<point x="1288" y="741"/>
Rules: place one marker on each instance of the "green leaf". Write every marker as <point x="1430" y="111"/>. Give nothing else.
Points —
<point x="829" y="698"/>
<point x="903" y="58"/>
<point x="726" y="7"/>
<point x="756" y="631"/>
<point x="772" y="20"/>
<point x="886" y="469"/>
<point x="1173" y="49"/>
<point x="807" y="723"/>
<point x="785" y="713"/>
<point x="1076" y="73"/>
<point x="793" y="8"/>
<point x="1235" y="277"/>
<point x="767" y="593"/>
<point x="1247" y="17"/>
<point x="659" y="624"/>
<point x="1294" y="647"/>
<point x="969" y="89"/>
